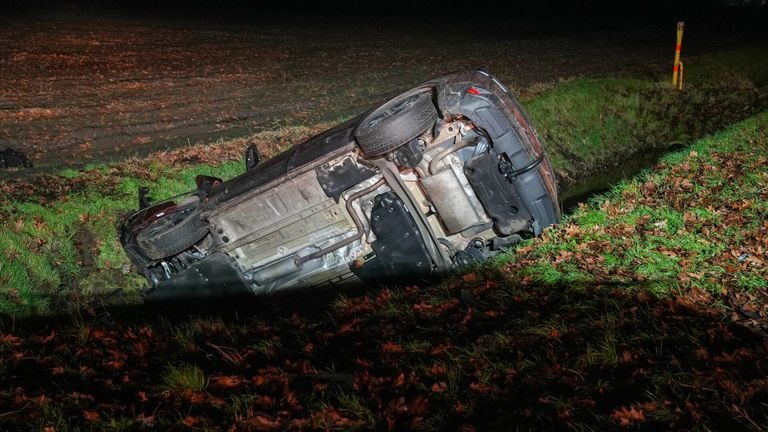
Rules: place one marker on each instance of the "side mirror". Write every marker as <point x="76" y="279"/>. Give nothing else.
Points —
<point x="251" y="157"/>
<point x="143" y="197"/>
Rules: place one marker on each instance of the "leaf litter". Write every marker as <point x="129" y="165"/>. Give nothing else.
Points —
<point x="645" y="309"/>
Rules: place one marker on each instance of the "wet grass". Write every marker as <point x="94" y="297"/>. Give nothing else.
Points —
<point x="593" y="124"/>
<point x="690" y="224"/>
<point x="184" y="377"/>
<point x="60" y="249"/>
<point x="744" y="66"/>
<point x="644" y="309"/>
<point x="578" y="106"/>
<point x="59" y="242"/>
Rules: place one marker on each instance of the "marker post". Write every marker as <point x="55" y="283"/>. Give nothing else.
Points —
<point x="677" y="69"/>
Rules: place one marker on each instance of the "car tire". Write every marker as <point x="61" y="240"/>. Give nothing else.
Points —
<point x="171" y="234"/>
<point x="395" y="123"/>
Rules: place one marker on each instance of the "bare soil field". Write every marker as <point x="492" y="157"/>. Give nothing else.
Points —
<point x="78" y="87"/>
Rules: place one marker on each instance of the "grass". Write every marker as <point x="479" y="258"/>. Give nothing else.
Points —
<point x="636" y="312"/>
<point x="184" y="377"/>
<point x="746" y="66"/>
<point x="60" y="249"/>
<point x="567" y="114"/>
<point x="59" y="236"/>
<point x="541" y="357"/>
<point x="680" y="227"/>
<point x="589" y="124"/>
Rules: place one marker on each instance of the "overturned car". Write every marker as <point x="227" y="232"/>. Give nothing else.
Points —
<point x="445" y="174"/>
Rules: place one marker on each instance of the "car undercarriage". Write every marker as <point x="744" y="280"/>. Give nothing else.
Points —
<point x="446" y="174"/>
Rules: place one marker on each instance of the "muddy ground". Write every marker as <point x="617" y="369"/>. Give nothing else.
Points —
<point x="79" y="86"/>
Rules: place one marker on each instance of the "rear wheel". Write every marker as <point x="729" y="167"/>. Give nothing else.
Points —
<point x="395" y="123"/>
<point x="171" y="234"/>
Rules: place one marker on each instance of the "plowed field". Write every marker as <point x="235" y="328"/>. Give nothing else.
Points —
<point x="77" y="87"/>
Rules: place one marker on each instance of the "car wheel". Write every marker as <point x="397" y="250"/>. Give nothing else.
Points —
<point x="395" y="123"/>
<point x="171" y="234"/>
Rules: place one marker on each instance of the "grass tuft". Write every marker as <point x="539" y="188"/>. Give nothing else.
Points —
<point x="179" y="378"/>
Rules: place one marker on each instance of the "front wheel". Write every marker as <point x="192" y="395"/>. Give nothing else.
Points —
<point x="395" y="123"/>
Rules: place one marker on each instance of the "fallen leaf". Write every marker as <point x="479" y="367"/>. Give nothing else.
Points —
<point x="91" y="415"/>
<point x="226" y="381"/>
<point x="9" y="339"/>
<point x="391" y="348"/>
<point x="399" y="380"/>
<point x="262" y="422"/>
<point x="627" y="416"/>
<point x="439" y="387"/>
<point x="190" y="421"/>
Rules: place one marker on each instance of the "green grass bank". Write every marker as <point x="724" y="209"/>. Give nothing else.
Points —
<point x="615" y="126"/>
<point x="645" y="309"/>
<point x="695" y="227"/>
<point x="59" y="247"/>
